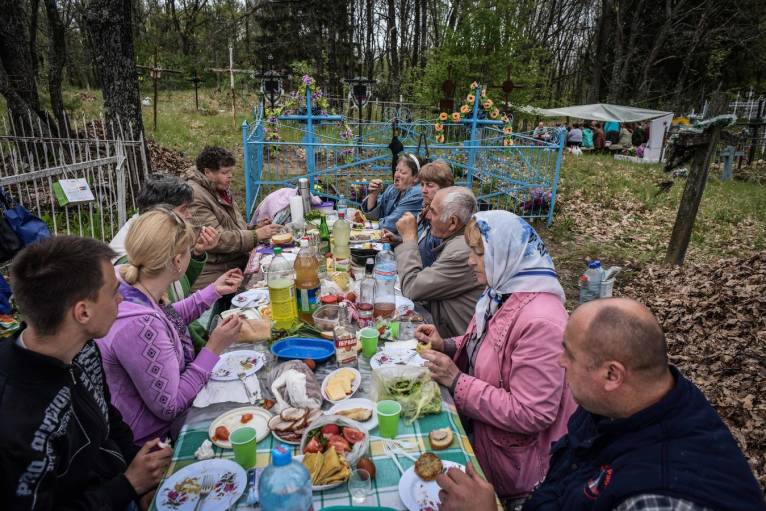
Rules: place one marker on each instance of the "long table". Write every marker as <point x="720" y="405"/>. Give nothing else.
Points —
<point x="386" y="484"/>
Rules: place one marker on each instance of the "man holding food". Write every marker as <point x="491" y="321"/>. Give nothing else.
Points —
<point x="643" y="438"/>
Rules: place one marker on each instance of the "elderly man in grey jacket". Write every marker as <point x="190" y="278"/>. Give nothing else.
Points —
<point x="447" y="288"/>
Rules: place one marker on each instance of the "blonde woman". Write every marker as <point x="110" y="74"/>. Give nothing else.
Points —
<point x="148" y="356"/>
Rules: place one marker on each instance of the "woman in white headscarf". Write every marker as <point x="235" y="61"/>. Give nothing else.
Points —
<point x="503" y="372"/>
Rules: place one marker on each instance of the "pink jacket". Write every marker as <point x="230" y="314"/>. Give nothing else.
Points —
<point x="518" y="398"/>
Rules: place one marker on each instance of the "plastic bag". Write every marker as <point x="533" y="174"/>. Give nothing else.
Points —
<point x="294" y="385"/>
<point x="359" y="449"/>
<point x="411" y="387"/>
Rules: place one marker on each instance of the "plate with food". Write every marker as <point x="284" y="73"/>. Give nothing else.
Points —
<point x="357" y="409"/>
<point x="251" y="298"/>
<point x="366" y="235"/>
<point x="282" y="239"/>
<point x="417" y="486"/>
<point x="328" y="469"/>
<point x="233" y="363"/>
<point x="348" y="437"/>
<point x="291" y="423"/>
<point x="341" y="384"/>
<point x="247" y="416"/>
<point x="181" y="491"/>
<point x="395" y="356"/>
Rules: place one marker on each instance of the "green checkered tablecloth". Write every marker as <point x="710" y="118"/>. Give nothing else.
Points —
<point x="386" y="483"/>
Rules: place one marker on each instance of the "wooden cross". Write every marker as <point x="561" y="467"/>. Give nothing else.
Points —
<point x="507" y="87"/>
<point x="155" y="73"/>
<point x="196" y="80"/>
<point x="232" y="71"/>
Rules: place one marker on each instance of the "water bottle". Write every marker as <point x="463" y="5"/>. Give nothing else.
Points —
<point x="590" y="282"/>
<point x="385" y="280"/>
<point x="285" y="485"/>
<point x="342" y="205"/>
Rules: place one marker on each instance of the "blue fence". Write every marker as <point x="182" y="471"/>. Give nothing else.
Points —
<point x="517" y="172"/>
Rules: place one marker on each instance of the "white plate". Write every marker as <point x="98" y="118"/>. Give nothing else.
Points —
<point x="245" y="313"/>
<point x="251" y="298"/>
<point x="231" y="420"/>
<point x="354" y="385"/>
<point x="232" y="363"/>
<point x="231" y="481"/>
<point x="358" y="402"/>
<point x="417" y="494"/>
<point x="390" y="357"/>
<point x="290" y="442"/>
<point x="320" y="487"/>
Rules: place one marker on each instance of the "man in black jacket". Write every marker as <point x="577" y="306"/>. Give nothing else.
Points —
<point x="62" y="444"/>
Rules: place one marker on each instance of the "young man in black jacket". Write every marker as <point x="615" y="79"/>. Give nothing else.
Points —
<point x="62" y="444"/>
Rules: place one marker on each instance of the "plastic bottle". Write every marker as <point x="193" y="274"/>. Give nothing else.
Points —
<point x="590" y="282"/>
<point x="364" y="306"/>
<point x="280" y="278"/>
<point x="344" y="335"/>
<point x="341" y="232"/>
<point x="341" y="206"/>
<point x="324" y="236"/>
<point x="285" y="485"/>
<point x="307" y="282"/>
<point x="385" y="280"/>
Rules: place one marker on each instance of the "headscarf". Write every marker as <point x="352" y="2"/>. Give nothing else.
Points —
<point x="515" y="259"/>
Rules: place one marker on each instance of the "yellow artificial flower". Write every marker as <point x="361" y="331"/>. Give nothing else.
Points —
<point x="508" y="141"/>
<point x="443" y="116"/>
<point x="465" y="109"/>
<point x="488" y="104"/>
<point x="494" y="113"/>
<point x="470" y="98"/>
<point x="456" y="117"/>
<point x="440" y="139"/>
<point x="438" y="126"/>
<point x="474" y="85"/>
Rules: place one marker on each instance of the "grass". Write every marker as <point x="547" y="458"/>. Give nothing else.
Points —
<point x="607" y="209"/>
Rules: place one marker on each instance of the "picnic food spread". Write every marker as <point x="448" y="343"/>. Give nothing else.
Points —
<point x="290" y="424"/>
<point x="326" y="467"/>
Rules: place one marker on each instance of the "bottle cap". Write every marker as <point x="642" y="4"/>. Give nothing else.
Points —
<point x="281" y="456"/>
<point x="386" y="246"/>
<point x="341" y="214"/>
<point x="594" y="264"/>
<point x="277" y="251"/>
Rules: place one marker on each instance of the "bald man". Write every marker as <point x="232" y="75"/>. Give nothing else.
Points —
<point x="643" y="438"/>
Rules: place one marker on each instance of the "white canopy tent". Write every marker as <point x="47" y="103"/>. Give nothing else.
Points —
<point x="616" y="113"/>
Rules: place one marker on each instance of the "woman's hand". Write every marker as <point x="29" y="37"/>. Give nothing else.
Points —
<point x="443" y="369"/>
<point x="374" y="187"/>
<point x="391" y="238"/>
<point x="426" y="334"/>
<point x="229" y="282"/>
<point x="225" y="334"/>
<point x="267" y="231"/>
<point x="207" y="240"/>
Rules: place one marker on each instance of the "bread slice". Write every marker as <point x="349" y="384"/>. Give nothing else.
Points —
<point x="440" y="438"/>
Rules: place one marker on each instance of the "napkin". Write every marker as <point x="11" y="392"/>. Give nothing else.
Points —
<point x="228" y="391"/>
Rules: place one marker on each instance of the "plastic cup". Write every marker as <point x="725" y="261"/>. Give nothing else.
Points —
<point x="393" y="326"/>
<point x="388" y="418"/>
<point x="243" y="442"/>
<point x="369" y="337"/>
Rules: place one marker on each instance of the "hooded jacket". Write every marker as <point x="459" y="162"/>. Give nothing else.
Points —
<point x="62" y="444"/>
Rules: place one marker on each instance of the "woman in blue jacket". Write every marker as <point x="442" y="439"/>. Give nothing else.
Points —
<point x="402" y="196"/>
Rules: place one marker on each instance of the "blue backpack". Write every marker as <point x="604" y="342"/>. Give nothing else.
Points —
<point x="5" y="297"/>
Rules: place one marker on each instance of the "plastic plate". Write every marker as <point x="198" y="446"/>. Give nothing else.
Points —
<point x="304" y="347"/>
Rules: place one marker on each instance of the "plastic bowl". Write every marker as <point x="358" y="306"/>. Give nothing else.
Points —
<point x="326" y="317"/>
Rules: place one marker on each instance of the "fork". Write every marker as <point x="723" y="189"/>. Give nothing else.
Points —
<point x="397" y="448"/>
<point x="207" y="486"/>
<point x="249" y="394"/>
<point x="392" y="455"/>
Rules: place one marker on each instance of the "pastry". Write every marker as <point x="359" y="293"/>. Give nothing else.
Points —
<point x="440" y="438"/>
<point x="428" y="466"/>
<point x="282" y="239"/>
<point x="358" y="414"/>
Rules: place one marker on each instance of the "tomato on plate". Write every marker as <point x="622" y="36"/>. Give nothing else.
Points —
<point x="246" y="417"/>
<point x="352" y="435"/>
<point x="330" y="429"/>
<point x="313" y="446"/>
<point x="340" y="444"/>
<point x="221" y="433"/>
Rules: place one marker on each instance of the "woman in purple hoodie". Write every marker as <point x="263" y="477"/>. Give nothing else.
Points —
<point x="148" y="356"/>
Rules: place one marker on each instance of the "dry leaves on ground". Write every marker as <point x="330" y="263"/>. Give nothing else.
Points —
<point x="167" y="161"/>
<point x="714" y="315"/>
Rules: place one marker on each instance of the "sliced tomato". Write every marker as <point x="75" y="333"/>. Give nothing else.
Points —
<point x="340" y="444"/>
<point x="352" y="435"/>
<point x="330" y="429"/>
<point x="221" y="433"/>
<point x="313" y="446"/>
<point x="246" y="417"/>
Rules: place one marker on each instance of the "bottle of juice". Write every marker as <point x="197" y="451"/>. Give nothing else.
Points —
<point x="306" y="282"/>
<point x="341" y="232"/>
<point x="280" y="278"/>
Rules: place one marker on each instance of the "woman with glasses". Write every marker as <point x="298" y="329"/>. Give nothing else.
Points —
<point x="148" y="355"/>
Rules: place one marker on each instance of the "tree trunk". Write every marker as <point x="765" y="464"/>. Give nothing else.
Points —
<point x="416" y="35"/>
<point x="56" y="60"/>
<point x="34" y="11"/>
<point x="109" y="25"/>
<point x="599" y="55"/>
<point x="393" y="48"/>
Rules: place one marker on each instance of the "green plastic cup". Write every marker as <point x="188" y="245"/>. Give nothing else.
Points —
<point x="388" y="418"/>
<point x="369" y="337"/>
<point x="243" y="442"/>
<point x="393" y="327"/>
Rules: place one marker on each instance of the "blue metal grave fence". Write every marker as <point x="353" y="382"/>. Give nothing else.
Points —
<point x="339" y="157"/>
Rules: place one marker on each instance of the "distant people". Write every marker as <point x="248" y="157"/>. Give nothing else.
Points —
<point x="587" y="137"/>
<point x="149" y="360"/>
<point x="599" y="139"/>
<point x="447" y="288"/>
<point x="637" y="137"/>
<point x="404" y="195"/>
<point x="574" y="137"/>
<point x="611" y="126"/>
<point x="62" y="443"/>
<point x="214" y="205"/>
<point x="643" y="438"/>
